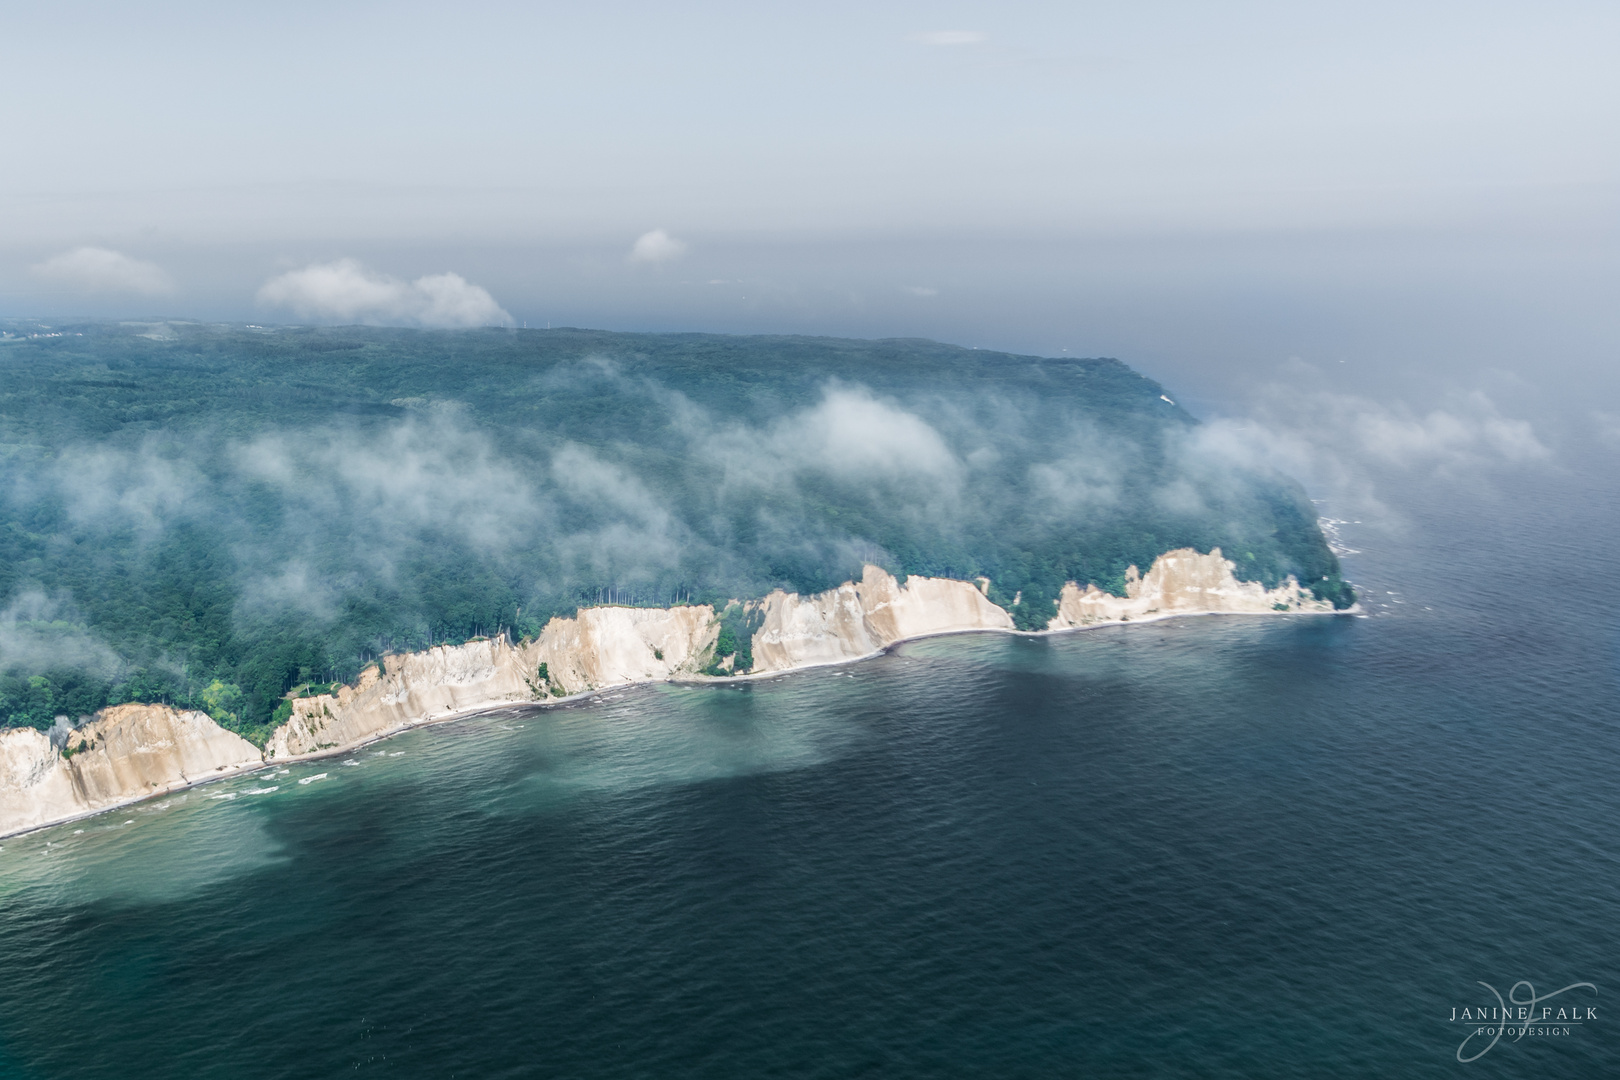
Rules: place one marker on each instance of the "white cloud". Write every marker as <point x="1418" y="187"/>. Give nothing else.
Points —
<point x="39" y="631"/>
<point x="141" y="488"/>
<point x="855" y="434"/>
<point x="372" y="494"/>
<point x="410" y="476"/>
<point x="951" y="37"/>
<point x="1344" y="446"/>
<point x="850" y="434"/>
<point x="638" y="532"/>
<point x="920" y="290"/>
<point x="454" y="301"/>
<point x="1468" y="433"/>
<point x="342" y="289"/>
<point x="94" y="269"/>
<point x="293" y="587"/>
<point x="656" y="246"/>
<point x="345" y="290"/>
<point x="1084" y="474"/>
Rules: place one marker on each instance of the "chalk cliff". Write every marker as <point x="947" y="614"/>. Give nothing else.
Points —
<point x="128" y="752"/>
<point x="860" y="618"/>
<point x="606" y="646"/>
<point x="1181" y="582"/>
<point x="131" y="751"/>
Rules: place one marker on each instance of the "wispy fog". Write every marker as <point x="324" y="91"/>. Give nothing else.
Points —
<point x="318" y="519"/>
<point x="1343" y="445"/>
<point x="851" y="435"/>
<point x="44" y="631"/>
<point x="315" y="516"/>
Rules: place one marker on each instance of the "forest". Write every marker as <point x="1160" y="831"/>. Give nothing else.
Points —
<point x="218" y="516"/>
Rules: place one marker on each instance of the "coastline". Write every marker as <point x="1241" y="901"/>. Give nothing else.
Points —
<point x="709" y="680"/>
<point x="694" y="679"/>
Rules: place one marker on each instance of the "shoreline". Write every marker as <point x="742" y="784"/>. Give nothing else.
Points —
<point x="705" y="680"/>
<point x="1353" y="609"/>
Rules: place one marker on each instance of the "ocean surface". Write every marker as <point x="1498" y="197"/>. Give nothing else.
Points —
<point x="1212" y="847"/>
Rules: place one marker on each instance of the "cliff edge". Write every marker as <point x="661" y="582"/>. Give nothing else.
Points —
<point x="129" y="752"/>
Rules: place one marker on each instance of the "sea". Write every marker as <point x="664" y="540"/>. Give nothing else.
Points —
<point x="1292" y="846"/>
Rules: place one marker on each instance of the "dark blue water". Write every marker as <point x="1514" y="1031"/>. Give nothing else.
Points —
<point x="1231" y="847"/>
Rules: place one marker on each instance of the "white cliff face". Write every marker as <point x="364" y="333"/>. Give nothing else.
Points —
<point x="856" y="620"/>
<point x="1181" y="582"/>
<point x="35" y="787"/>
<point x="599" y="647"/>
<point x="611" y="646"/>
<point x="417" y="686"/>
<point x="132" y="751"/>
<point x="128" y="752"/>
<point x="608" y="646"/>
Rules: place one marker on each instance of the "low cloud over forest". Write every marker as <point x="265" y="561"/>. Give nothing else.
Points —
<point x="263" y="507"/>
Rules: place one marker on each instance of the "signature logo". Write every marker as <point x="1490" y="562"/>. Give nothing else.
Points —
<point x="1521" y="1015"/>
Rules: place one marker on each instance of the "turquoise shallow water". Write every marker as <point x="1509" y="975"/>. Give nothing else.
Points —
<point x="1208" y="847"/>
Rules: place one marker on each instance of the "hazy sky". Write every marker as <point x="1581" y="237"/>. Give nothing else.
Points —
<point x="1196" y="188"/>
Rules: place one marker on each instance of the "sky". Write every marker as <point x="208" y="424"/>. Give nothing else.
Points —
<point x="1417" y="202"/>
